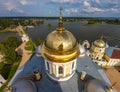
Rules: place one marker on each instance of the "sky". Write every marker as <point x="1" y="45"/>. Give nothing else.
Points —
<point x="50" y="8"/>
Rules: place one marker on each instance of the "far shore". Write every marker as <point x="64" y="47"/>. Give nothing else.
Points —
<point x="8" y="30"/>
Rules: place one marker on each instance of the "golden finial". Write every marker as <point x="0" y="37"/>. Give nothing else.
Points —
<point x="60" y="28"/>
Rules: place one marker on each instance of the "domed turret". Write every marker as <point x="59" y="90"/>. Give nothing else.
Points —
<point x="60" y="51"/>
<point x="100" y="43"/>
<point x="98" y="49"/>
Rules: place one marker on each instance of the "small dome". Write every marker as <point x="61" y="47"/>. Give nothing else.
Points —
<point x="24" y="86"/>
<point x="100" y="43"/>
<point x="96" y="86"/>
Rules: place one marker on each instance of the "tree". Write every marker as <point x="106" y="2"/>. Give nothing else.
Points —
<point x="7" y="47"/>
<point x="30" y="45"/>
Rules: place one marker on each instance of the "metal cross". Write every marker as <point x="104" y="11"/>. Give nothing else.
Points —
<point x="60" y="11"/>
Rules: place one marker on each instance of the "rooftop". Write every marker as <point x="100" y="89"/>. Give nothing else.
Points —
<point x="116" y="54"/>
<point x="72" y="85"/>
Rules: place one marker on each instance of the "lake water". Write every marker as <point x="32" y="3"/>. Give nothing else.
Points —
<point x="79" y="30"/>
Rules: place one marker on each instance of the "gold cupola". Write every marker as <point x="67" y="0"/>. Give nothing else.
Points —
<point x="100" y="43"/>
<point x="60" y="45"/>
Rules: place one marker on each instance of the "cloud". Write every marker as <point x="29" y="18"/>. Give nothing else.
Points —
<point x="9" y="6"/>
<point x="71" y="7"/>
<point x="12" y="7"/>
<point x="72" y="10"/>
<point x="26" y="2"/>
<point x="114" y="10"/>
<point x="65" y="1"/>
<point x="93" y="9"/>
<point x="19" y="10"/>
<point x="86" y="4"/>
<point x="89" y="7"/>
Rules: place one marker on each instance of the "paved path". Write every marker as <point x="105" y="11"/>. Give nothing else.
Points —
<point x="24" y="53"/>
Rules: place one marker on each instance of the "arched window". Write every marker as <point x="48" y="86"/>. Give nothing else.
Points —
<point x="48" y="65"/>
<point x="60" y="70"/>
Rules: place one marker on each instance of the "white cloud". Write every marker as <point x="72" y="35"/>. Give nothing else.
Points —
<point x="26" y="2"/>
<point x="86" y="4"/>
<point x="89" y="8"/>
<point x="66" y="1"/>
<point x="114" y="10"/>
<point x="12" y="6"/>
<point x="94" y="9"/>
<point x="9" y="6"/>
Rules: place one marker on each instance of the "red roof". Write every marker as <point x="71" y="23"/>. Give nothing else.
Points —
<point x="116" y="54"/>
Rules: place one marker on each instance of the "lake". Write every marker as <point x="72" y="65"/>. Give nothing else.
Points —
<point x="79" y="30"/>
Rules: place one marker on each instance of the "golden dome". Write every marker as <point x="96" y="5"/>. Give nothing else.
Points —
<point x="60" y="45"/>
<point x="60" y="41"/>
<point x="100" y="43"/>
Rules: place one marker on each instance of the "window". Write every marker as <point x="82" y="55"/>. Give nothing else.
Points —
<point x="72" y="65"/>
<point x="60" y="70"/>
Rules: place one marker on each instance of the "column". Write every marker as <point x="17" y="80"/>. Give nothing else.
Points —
<point x="46" y="67"/>
<point x="56" y="69"/>
<point x="70" y="67"/>
<point x="74" y="65"/>
<point x="64" y="68"/>
<point x="50" y="67"/>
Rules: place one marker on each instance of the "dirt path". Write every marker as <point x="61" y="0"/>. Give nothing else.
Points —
<point x="24" y="53"/>
<point x="114" y="76"/>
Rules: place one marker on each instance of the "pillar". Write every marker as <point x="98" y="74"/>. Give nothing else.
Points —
<point x="50" y="68"/>
<point x="56" y="67"/>
<point x="46" y="67"/>
<point x="64" y="68"/>
<point x="70" y="67"/>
